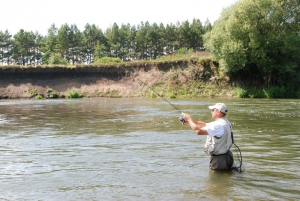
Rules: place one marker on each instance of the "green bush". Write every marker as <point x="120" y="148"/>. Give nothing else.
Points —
<point x="51" y="93"/>
<point x="240" y="93"/>
<point x="279" y="92"/>
<point x="39" y="96"/>
<point x="56" y="59"/>
<point x="73" y="94"/>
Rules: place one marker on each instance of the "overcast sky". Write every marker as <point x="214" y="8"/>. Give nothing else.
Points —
<point x="38" y="15"/>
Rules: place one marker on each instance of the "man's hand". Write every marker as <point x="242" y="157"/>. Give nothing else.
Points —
<point x="185" y="118"/>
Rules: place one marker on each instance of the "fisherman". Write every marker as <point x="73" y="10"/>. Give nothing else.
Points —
<point x="219" y="136"/>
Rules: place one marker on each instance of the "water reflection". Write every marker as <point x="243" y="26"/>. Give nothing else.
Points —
<point x="136" y="149"/>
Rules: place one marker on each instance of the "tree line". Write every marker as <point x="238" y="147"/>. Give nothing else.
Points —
<point x="142" y="42"/>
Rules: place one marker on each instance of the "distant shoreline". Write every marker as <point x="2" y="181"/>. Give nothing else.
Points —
<point x="24" y="83"/>
<point x="170" y="79"/>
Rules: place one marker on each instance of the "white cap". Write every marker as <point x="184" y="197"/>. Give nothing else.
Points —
<point x="219" y="106"/>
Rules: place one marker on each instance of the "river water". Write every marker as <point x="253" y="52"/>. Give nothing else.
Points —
<point x="136" y="149"/>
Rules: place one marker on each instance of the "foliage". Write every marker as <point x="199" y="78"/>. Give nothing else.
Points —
<point x="73" y="94"/>
<point x="56" y="59"/>
<point x="142" y="42"/>
<point x="259" y="40"/>
<point x="271" y="92"/>
<point x="6" y="47"/>
<point x="185" y="51"/>
<point x="52" y="93"/>
<point x="25" y="49"/>
<point x="39" y="96"/>
<point x="240" y="93"/>
<point x="152" y="94"/>
<point x="33" y="91"/>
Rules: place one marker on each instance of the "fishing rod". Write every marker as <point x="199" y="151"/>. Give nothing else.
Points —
<point x="181" y="119"/>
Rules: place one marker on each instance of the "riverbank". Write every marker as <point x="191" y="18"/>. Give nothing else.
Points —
<point x="188" y="78"/>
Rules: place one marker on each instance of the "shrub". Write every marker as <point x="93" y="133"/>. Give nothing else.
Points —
<point x="56" y="59"/>
<point x="73" y="94"/>
<point x="52" y="93"/>
<point x="172" y="95"/>
<point x="39" y="96"/>
<point x="152" y="94"/>
<point x="279" y="92"/>
<point x="33" y="91"/>
<point x="240" y="93"/>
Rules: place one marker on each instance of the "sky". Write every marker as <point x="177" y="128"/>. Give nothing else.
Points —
<point x="39" y="15"/>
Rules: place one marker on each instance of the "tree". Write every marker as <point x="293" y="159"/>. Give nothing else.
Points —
<point x="37" y="51"/>
<point x="6" y="45"/>
<point x="75" y="45"/>
<point x="70" y="43"/>
<point x="91" y="37"/>
<point x="207" y="26"/>
<point x="171" y="39"/>
<point x="99" y="51"/>
<point x="132" y="54"/>
<point x="196" y="35"/>
<point x="191" y="35"/>
<point x="155" y="36"/>
<point x="63" y="41"/>
<point x="113" y="38"/>
<point x="124" y="37"/>
<point x="258" y="39"/>
<point x="142" y="41"/>
<point x="23" y="48"/>
<point x="50" y="44"/>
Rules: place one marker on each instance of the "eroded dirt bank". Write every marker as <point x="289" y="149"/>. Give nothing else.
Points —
<point x="193" y="78"/>
<point x="91" y="82"/>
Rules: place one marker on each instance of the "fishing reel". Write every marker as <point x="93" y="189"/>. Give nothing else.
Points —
<point x="181" y="119"/>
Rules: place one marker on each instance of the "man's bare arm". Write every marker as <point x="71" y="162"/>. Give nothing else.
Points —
<point x="197" y="126"/>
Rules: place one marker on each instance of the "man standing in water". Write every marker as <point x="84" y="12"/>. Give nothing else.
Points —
<point x="219" y="136"/>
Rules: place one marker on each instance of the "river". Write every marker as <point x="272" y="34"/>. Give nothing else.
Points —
<point x="136" y="149"/>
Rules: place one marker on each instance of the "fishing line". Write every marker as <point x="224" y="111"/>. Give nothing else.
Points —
<point x="239" y="156"/>
<point x="240" y="159"/>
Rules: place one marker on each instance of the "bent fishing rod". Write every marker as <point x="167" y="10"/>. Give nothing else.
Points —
<point x="181" y="119"/>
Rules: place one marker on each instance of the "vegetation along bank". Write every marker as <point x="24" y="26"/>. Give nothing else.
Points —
<point x="251" y="51"/>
